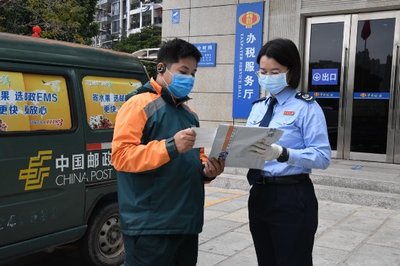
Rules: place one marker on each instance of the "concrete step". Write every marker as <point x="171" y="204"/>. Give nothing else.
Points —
<point x="356" y="182"/>
<point x="358" y="196"/>
<point x="344" y="189"/>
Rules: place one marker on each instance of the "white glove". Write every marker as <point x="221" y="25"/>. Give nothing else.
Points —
<point x="266" y="151"/>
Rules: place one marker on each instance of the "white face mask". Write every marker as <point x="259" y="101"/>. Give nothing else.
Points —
<point x="273" y="83"/>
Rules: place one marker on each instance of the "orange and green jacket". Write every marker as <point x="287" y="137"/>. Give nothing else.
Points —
<point x="160" y="191"/>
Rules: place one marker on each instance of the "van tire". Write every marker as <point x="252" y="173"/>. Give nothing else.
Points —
<point x="102" y="244"/>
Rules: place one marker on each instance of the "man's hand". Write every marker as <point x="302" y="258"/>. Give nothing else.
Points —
<point x="184" y="140"/>
<point x="266" y="151"/>
<point x="214" y="167"/>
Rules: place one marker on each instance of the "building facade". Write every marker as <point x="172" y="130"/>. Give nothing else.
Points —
<point x="120" y="18"/>
<point x="350" y="63"/>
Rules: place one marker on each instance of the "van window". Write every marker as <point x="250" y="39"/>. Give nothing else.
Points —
<point x="31" y="102"/>
<point x="103" y="98"/>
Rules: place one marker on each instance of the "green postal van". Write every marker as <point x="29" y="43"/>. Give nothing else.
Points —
<point x="58" y="103"/>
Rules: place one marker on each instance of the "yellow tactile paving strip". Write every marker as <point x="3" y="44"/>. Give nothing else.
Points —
<point x="230" y="195"/>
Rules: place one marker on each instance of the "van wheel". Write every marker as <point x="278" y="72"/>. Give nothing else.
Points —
<point x="103" y="244"/>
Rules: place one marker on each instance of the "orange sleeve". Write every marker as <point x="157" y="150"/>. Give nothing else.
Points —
<point x="128" y="155"/>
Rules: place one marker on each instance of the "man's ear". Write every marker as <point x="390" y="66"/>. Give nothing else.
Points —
<point x="161" y="68"/>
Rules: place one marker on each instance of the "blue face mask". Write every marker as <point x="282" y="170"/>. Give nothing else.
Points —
<point x="273" y="83"/>
<point x="181" y="85"/>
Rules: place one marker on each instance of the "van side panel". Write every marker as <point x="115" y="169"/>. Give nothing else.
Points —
<point x="42" y="175"/>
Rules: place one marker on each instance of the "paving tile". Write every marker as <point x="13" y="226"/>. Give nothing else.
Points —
<point x="217" y="227"/>
<point x="393" y="221"/>
<point x="208" y="259"/>
<point x="341" y="239"/>
<point x="388" y="235"/>
<point x="373" y="255"/>
<point x="212" y="214"/>
<point x="358" y="223"/>
<point x="243" y="229"/>
<point x="323" y="256"/>
<point x="238" y="216"/>
<point x="246" y="257"/>
<point x="375" y="213"/>
<point x="227" y="244"/>
<point x="323" y="225"/>
<point x="229" y="205"/>
<point x="335" y="211"/>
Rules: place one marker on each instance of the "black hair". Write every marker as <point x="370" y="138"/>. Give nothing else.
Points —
<point x="174" y="50"/>
<point x="285" y="52"/>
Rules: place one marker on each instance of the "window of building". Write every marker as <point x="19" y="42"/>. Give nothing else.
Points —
<point x="115" y="9"/>
<point x="135" y="21"/>
<point x="104" y="96"/>
<point x="146" y="18"/>
<point x="115" y="26"/>
<point x="30" y="102"/>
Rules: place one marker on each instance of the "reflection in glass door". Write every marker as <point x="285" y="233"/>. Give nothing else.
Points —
<point x="371" y="86"/>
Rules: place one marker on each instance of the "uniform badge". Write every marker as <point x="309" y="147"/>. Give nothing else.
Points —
<point x="289" y="113"/>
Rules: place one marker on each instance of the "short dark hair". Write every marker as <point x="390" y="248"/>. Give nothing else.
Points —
<point x="174" y="50"/>
<point x="285" y="52"/>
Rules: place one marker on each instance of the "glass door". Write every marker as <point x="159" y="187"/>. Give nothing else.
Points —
<point x="326" y="56"/>
<point x="372" y="87"/>
<point x="352" y="69"/>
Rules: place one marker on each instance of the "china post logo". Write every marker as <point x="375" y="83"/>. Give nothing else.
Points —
<point x="36" y="171"/>
<point x="249" y="19"/>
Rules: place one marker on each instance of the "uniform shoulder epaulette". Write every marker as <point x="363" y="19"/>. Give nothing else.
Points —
<point x="305" y="97"/>
<point x="259" y="100"/>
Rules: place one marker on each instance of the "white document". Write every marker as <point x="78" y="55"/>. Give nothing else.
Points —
<point x="233" y="143"/>
<point x="204" y="136"/>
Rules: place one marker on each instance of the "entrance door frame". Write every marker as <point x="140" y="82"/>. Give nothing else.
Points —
<point x="347" y="73"/>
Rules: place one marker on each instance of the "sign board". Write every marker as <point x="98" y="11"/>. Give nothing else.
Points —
<point x="176" y="16"/>
<point x="248" y="41"/>
<point x="208" y="54"/>
<point x="325" y="76"/>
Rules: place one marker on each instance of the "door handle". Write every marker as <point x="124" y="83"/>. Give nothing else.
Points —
<point x="342" y="105"/>
<point x="395" y="92"/>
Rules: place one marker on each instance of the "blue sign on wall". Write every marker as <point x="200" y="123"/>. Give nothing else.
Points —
<point x="325" y="76"/>
<point x="208" y="54"/>
<point x="248" y="41"/>
<point x="176" y="16"/>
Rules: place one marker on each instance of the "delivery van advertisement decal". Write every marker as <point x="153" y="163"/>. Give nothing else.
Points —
<point x="103" y="98"/>
<point x="12" y="90"/>
<point x="33" y="102"/>
<point x="63" y="170"/>
<point x="72" y="169"/>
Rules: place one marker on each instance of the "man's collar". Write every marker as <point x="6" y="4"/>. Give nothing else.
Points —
<point x="157" y="87"/>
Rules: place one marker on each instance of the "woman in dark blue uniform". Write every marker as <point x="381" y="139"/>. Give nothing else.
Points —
<point x="283" y="209"/>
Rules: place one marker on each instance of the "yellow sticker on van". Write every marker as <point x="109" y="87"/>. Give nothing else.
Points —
<point x="103" y="98"/>
<point x="33" y="102"/>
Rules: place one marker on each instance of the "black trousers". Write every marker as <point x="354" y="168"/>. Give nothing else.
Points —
<point x="283" y="222"/>
<point x="161" y="250"/>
